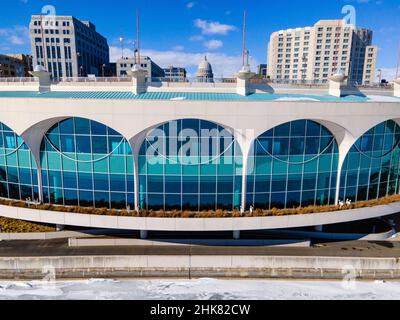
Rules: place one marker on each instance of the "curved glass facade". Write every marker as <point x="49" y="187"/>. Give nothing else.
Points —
<point x="18" y="171"/>
<point x="371" y="168"/>
<point x="292" y="165"/>
<point x="190" y="165"/>
<point x="86" y="163"/>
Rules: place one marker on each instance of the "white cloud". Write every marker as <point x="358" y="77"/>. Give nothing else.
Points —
<point x="178" y="48"/>
<point x="17" y="35"/>
<point x="196" y="38"/>
<point x="190" y="5"/>
<point x="213" y="27"/>
<point x="213" y="44"/>
<point x="223" y="64"/>
<point x="15" y="40"/>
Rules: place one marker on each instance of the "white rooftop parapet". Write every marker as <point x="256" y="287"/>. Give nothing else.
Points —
<point x="44" y="78"/>
<point x="397" y="87"/>
<point x="243" y="81"/>
<point x="138" y="79"/>
<point x="337" y="83"/>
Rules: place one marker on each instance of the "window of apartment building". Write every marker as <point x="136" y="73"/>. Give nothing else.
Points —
<point x="295" y="60"/>
<point x="307" y="38"/>
<point x="327" y="53"/>
<point x="297" y="44"/>
<point x="319" y="35"/>
<point x="320" y="29"/>
<point x="318" y="53"/>
<point x="319" y="41"/>
<point x="329" y="35"/>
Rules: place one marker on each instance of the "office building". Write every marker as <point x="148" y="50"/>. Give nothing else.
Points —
<point x="68" y="47"/>
<point x="175" y="74"/>
<point x="15" y="65"/>
<point x="153" y="70"/>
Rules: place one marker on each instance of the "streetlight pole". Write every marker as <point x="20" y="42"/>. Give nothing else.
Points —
<point x="103" y="66"/>
<point x="121" y="40"/>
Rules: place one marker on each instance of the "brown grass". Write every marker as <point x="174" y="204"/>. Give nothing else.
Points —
<point x="202" y="214"/>
<point x="18" y="226"/>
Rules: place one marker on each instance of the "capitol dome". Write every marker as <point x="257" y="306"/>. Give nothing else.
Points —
<point x="205" y="72"/>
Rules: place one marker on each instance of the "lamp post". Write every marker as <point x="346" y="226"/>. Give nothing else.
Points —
<point x="102" y="67"/>
<point x="81" y="71"/>
<point x="121" y="40"/>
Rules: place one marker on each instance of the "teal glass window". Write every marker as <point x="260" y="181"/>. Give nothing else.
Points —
<point x="86" y="163"/>
<point x="371" y="168"/>
<point x="18" y="170"/>
<point x="190" y="164"/>
<point x="304" y="158"/>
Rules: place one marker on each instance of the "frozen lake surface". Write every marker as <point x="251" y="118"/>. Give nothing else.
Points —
<point x="201" y="289"/>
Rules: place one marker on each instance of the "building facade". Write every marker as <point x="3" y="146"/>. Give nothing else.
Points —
<point x="315" y="53"/>
<point x="203" y="148"/>
<point x="15" y="65"/>
<point x="175" y="74"/>
<point x="68" y="47"/>
<point x="153" y="70"/>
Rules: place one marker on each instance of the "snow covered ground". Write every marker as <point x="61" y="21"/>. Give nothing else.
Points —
<point x="202" y="289"/>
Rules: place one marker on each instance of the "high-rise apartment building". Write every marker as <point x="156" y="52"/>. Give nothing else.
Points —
<point x="68" y="47"/>
<point x="315" y="53"/>
<point x="125" y="64"/>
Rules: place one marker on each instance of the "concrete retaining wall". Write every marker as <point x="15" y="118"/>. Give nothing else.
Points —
<point x="200" y="266"/>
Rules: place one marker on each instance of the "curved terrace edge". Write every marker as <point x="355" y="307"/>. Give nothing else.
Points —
<point x="198" y="224"/>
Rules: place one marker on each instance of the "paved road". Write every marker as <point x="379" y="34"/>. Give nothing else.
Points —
<point x="60" y="247"/>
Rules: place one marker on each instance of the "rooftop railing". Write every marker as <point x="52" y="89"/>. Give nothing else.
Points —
<point x="189" y="81"/>
<point x="17" y="80"/>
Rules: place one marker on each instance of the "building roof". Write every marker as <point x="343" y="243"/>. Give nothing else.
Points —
<point x="181" y="96"/>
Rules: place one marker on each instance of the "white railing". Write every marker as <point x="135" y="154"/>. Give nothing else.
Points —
<point x="91" y="79"/>
<point x="18" y="80"/>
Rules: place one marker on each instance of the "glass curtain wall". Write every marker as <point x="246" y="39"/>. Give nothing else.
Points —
<point x="88" y="164"/>
<point x="292" y="165"/>
<point x="371" y="168"/>
<point x="190" y="165"/>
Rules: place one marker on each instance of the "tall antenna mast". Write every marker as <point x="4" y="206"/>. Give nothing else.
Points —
<point x="398" y="63"/>
<point x="244" y="38"/>
<point x="138" y="34"/>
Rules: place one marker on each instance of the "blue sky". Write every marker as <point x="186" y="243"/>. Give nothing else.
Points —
<point x="182" y="31"/>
